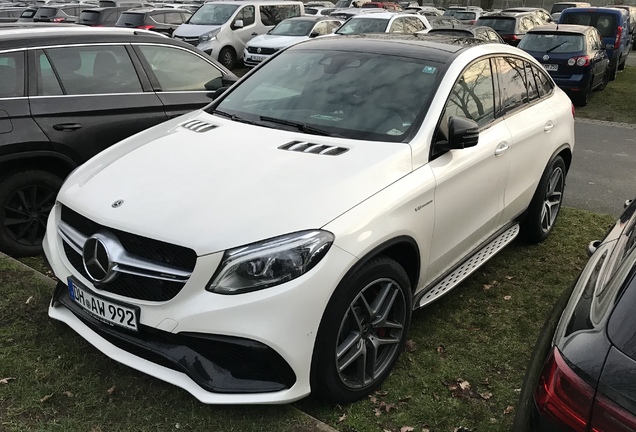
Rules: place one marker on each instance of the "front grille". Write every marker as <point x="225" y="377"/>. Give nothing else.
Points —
<point x="191" y="40"/>
<point x="127" y="285"/>
<point x="256" y="50"/>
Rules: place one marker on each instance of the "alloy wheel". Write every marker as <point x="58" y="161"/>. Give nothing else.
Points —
<point x="370" y="333"/>
<point x="552" y="200"/>
<point x="25" y="213"/>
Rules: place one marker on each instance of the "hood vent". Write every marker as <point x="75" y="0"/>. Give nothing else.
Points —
<point x="198" y="126"/>
<point x="307" y="147"/>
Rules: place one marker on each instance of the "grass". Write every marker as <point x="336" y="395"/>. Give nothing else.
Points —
<point x="616" y="102"/>
<point x="482" y="333"/>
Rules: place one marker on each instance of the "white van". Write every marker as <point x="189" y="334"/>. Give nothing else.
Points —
<point x="222" y="28"/>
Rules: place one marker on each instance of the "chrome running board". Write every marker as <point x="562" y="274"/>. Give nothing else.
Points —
<point x="467" y="267"/>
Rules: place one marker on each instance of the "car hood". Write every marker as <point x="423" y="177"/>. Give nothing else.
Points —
<point x="192" y="30"/>
<point x="272" y="41"/>
<point x="229" y="186"/>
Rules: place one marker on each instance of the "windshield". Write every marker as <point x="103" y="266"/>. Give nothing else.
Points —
<point x="552" y="43"/>
<point x="500" y="25"/>
<point x="363" y="25"/>
<point x="292" y="28"/>
<point x="366" y="96"/>
<point x="465" y="15"/>
<point x="343" y="3"/>
<point x="213" y="14"/>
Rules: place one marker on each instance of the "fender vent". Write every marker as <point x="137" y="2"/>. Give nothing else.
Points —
<point x="198" y="126"/>
<point x="307" y="147"/>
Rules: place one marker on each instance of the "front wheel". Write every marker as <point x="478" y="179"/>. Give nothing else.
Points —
<point x="363" y="331"/>
<point x="227" y="57"/>
<point x="26" y="198"/>
<point x="546" y="203"/>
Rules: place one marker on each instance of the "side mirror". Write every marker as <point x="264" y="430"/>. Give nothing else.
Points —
<point x="462" y="133"/>
<point x="314" y="34"/>
<point x="228" y="80"/>
<point x="238" y="24"/>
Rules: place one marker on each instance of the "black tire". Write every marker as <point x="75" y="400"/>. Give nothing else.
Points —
<point x="613" y="73"/>
<point x="583" y="97"/>
<point x="227" y="57"/>
<point x="621" y="66"/>
<point x="26" y="198"/>
<point x="347" y="319"/>
<point x="546" y="203"/>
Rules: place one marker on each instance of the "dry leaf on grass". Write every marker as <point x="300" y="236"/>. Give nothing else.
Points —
<point x="441" y="350"/>
<point x="410" y="346"/>
<point x="487" y="287"/>
<point x="404" y="399"/>
<point x="381" y="392"/>
<point x="373" y="399"/>
<point x="47" y="397"/>
<point x="342" y="418"/>
<point x="6" y="380"/>
<point x="507" y="297"/>
<point x="28" y="300"/>
<point x="464" y="385"/>
<point x="486" y="395"/>
<point x="377" y="411"/>
<point x="509" y="409"/>
<point x="425" y="429"/>
<point x="407" y="429"/>
<point x="111" y="390"/>
<point x="68" y="394"/>
<point x="510" y="277"/>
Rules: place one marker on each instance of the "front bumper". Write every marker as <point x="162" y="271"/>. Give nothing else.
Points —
<point x="279" y="324"/>
<point x="253" y="60"/>
<point x="574" y="82"/>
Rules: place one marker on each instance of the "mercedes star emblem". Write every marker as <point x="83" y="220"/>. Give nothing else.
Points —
<point x="97" y="261"/>
<point x="546" y="57"/>
<point x="117" y="203"/>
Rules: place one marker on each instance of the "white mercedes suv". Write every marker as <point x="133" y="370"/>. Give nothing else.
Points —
<point x="276" y="242"/>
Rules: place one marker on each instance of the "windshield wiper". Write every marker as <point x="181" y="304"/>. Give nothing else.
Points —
<point x="554" y="47"/>
<point x="302" y="127"/>
<point x="233" y="117"/>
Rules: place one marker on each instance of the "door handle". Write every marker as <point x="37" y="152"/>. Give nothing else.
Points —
<point x="501" y="148"/>
<point x="548" y="126"/>
<point x="67" y="126"/>
<point x="254" y="34"/>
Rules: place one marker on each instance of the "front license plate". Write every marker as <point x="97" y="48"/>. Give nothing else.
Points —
<point x="258" y="58"/>
<point x="104" y="310"/>
<point x="551" y="67"/>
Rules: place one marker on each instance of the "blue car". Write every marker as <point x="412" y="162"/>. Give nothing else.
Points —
<point x="614" y="26"/>
<point x="573" y="55"/>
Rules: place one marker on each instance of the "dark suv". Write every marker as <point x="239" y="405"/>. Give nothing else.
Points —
<point x="512" y="27"/>
<point x="60" y="13"/>
<point x="101" y="17"/>
<point x="164" y="20"/>
<point x="68" y="93"/>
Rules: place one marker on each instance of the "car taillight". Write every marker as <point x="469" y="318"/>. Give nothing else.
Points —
<point x="58" y="19"/>
<point x="610" y="417"/>
<point x="579" y="61"/>
<point x="145" y="27"/>
<point x="97" y="25"/>
<point x="471" y="22"/>
<point x="562" y="396"/>
<point x="619" y="34"/>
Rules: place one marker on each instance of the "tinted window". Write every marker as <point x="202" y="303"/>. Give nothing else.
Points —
<point x="272" y="15"/>
<point x="48" y="84"/>
<point x="533" y="91"/>
<point x="604" y="23"/>
<point x="552" y="43"/>
<point x="11" y="74"/>
<point x="29" y="13"/>
<point x="45" y="12"/>
<point x="94" y="70"/>
<point x="89" y="17"/>
<point x="179" y="70"/>
<point x="500" y="25"/>
<point x="473" y="95"/>
<point x="465" y="15"/>
<point x="512" y="79"/>
<point x="544" y="85"/>
<point x="130" y="19"/>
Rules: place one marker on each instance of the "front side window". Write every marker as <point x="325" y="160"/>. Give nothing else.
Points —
<point x="513" y="80"/>
<point x="321" y="28"/>
<point x="179" y="70"/>
<point x="11" y="74"/>
<point x="213" y="14"/>
<point x="94" y="70"/>
<point x="397" y="26"/>
<point x="473" y="95"/>
<point x="356" y="95"/>
<point x="247" y="15"/>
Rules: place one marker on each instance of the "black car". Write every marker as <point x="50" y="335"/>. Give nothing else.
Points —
<point x="582" y="376"/>
<point x="482" y="32"/>
<point x="68" y="93"/>
<point x="165" y="20"/>
<point x="10" y="14"/>
<point x="512" y="27"/>
<point x="60" y="13"/>
<point x="27" y="15"/>
<point x="101" y="17"/>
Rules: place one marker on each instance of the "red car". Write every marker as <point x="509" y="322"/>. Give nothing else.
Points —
<point x="383" y="5"/>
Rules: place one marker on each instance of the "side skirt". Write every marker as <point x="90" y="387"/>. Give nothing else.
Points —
<point x="466" y="267"/>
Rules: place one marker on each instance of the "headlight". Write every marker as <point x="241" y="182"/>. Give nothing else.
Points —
<point x="208" y="36"/>
<point x="271" y="262"/>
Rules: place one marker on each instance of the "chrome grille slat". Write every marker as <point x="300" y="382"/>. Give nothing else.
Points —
<point x="198" y="126"/>
<point x="313" y="148"/>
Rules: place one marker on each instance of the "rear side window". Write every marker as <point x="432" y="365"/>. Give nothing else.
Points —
<point x="604" y="23"/>
<point x="513" y="82"/>
<point x="544" y="85"/>
<point x="93" y="70"/>
<point x="531" y="84"/>
<point x="179" y="70"/>
<point x="29" y="13"/>
<point x="11" y="74"/>
<point x="272" y="15"/>
<point x="131" y="20"/>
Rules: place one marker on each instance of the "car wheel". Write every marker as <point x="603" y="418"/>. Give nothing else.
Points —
<point x="363" y="331"/>
<point x="605" y="81"/>
<point x="613" y="73"/>
<point x="227" y="57"/>
<point x="26" y="198"/>
<point x="546" y="203"/>
<point x="621" y="66"/>
<point x="583" y="97"/>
